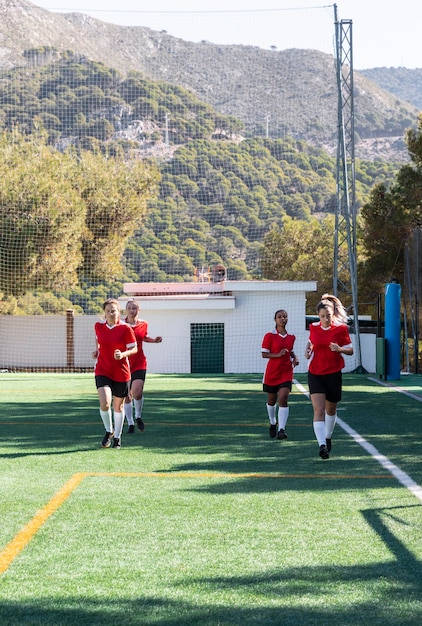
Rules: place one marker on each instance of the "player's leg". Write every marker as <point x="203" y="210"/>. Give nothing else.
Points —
<point x="271" y="409"/>
<point x="105" y="397"/>
<point x="283" y="410"/>
<point x="334" y="389"/>
<point x="137" y="389"/>
<point x="118" y="404"/>
<point x="317" y="391"/>
<point x="330" y="422"/>
<point x="128" y="408"/>
<point x="318" y="405"/>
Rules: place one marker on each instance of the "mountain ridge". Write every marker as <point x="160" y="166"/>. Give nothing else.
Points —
<point x="234" y="79"/>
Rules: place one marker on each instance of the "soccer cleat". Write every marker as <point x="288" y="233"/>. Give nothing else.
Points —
<point x="131" y="429"/>
<point x="281" y="434"/>
<point x="116" y="443"/>
<point x="323" y="452"/>
<point x="106" y="442"/>
<point x="140" y="424"/>
<point x="328" y="441"/>
<point x="273" y="431"/>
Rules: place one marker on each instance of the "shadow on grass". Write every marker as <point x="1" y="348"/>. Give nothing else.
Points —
<point x="380" y="594"/>
<point x="219" y="424"/>
<point x="210" y="431"/>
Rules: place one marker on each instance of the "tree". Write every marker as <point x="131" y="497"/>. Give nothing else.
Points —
<point x="389" y="220"/>
<point x="383" y="235"/>
<point x="115" y="194"/>
<point x="42" y="217"/>
<point x="65" y="217"/>
<point x="300" y="250"/>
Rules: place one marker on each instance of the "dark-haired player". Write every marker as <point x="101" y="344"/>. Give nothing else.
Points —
<point x="277" y="347"/>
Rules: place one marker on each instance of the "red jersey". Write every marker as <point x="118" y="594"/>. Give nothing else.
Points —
<point x="110" y="338"/>
<point x="323" y="360"/>
<point x="278" y="370"/>
<point x="138" y="361"/>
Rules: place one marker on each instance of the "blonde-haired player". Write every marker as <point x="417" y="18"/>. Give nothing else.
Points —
<point x="138" y="366"/>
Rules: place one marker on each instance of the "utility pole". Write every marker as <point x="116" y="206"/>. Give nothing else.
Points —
<point x="267" y="126"/>
<point x="345" y="248"/>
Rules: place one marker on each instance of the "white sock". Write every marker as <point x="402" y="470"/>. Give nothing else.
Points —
<point x="330" y="422"/>
<point x="106" y="417"/>
<point x="271" y="413"/>
<point x="118" y="424"/>
<point x="283" y="414"/>
<point x="138" y="407"/>
<point x="319" y="430"/>
<point x="129" y="413"/>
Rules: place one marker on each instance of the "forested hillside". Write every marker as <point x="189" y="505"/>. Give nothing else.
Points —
<point x="296" y="89"/>
<point x="78" y="101"/>
<point x="219" y="193"/>
<point x="218" y="200"/>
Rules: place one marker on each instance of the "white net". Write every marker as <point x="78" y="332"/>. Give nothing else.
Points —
<point x="133" y="156"/>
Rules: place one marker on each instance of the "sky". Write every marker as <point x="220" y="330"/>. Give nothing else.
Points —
<point x="385" y="34"/>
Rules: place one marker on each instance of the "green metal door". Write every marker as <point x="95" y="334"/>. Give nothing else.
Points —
<point x="207" y="348"/>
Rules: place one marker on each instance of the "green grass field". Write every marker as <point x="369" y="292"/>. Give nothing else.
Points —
<point x="202" y="518"/>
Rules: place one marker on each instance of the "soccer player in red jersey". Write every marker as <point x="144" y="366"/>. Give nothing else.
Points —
<point x="277" y="347"/>
<point x="328" y="340"/>
<point x="115" y="342"/>
<point x="138" y="366"/>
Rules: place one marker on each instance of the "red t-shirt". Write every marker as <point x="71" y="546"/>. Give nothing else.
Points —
<point x="323" y="360"/>
<point x="278" y="370"/>
<point x="138" y="361"/>
<point x="110" y="338"/>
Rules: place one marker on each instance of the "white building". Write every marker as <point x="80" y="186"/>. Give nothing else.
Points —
<point x="219" y="327"/>
<point x="207" y="327"/>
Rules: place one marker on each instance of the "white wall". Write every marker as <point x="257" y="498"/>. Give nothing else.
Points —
<point x="33" y="341"/>
<point x="40" y="341"/>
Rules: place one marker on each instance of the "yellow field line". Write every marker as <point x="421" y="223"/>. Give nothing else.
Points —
<point x="24" y="536"/>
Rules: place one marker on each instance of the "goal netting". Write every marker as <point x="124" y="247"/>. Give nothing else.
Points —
<point x="141" y="161"/>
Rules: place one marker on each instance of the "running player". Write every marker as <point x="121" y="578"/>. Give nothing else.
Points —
<point x="115" y="342"/>
<point x="277" y="347"/>
<point x="138" y="366"/>
<point x="328" y="340"/>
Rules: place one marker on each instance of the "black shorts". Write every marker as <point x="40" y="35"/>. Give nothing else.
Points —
<point x="138" y="375"/>
<point x="328" y="384"/>
<point x="275" y="388"/>
<point x="118" y="389"/>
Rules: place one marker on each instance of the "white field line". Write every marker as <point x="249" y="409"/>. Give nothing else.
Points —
<point x="403" y="478"/>
<point x="399" y="389"/>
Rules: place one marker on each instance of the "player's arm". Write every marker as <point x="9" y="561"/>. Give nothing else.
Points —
<point x="149" y="339"/>
<point x="308" y="350"/>
<point x="95" y="353"/>
<point x="131" y="348"/>
<point x="345" y="346"/>
<point x="347" y="350"/>
<point x="266" y="354"/>
<point x="294" y="358"/>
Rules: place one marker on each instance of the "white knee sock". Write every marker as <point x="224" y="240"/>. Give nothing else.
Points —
<point x="129" y="413"/>
<point x="271" y="413"/>
<point x="283" y="414"/>
<point x="118" y="424"/>
<point x="106" y="417"/>
<point x="330" y="422"/>
<point x="319" y="430"/>
<point x="138" y="407"/>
